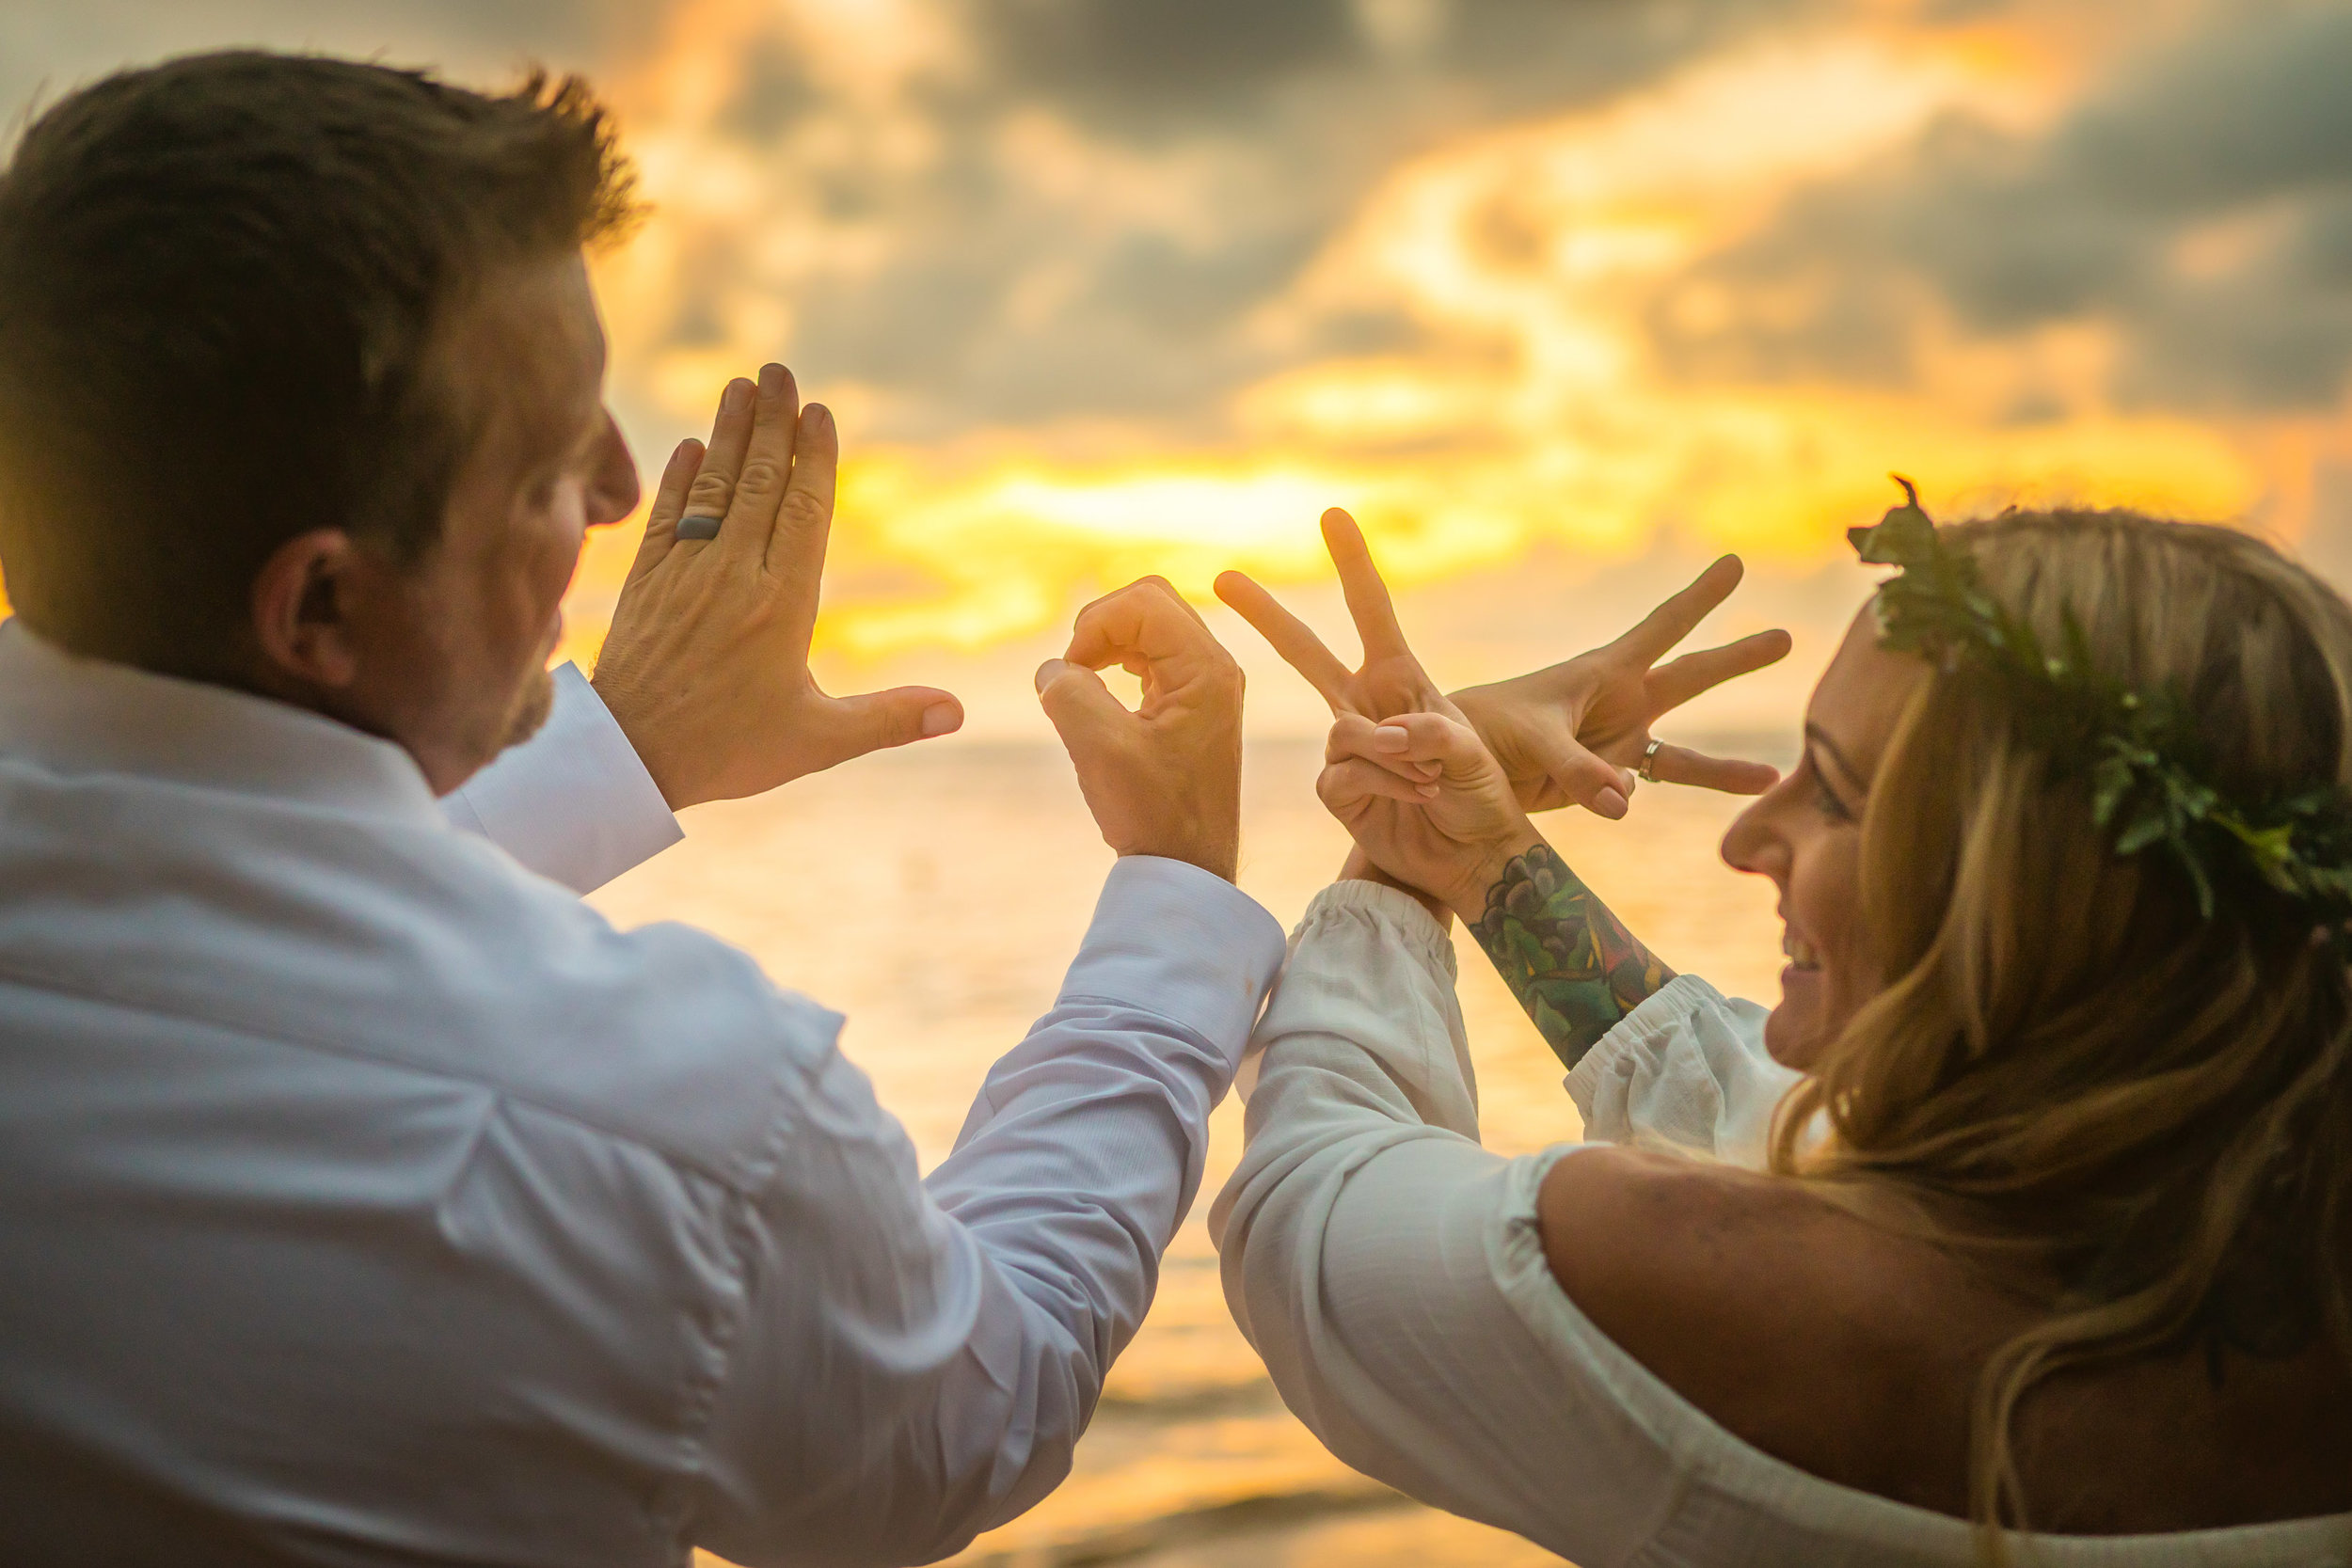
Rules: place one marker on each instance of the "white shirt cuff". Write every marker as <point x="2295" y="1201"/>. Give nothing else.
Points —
<point x="574" y="802"/>
<point x="1182" y="943"/>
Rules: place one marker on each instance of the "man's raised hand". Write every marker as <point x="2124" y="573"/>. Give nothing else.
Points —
<point x="1164" y="778"/>
<point x="706" y="668"/>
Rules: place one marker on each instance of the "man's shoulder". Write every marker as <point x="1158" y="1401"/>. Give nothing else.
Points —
<point x="411" y="949"/>
<point x="664" y="1034"/>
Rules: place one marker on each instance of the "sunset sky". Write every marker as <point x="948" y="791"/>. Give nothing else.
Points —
<point x="1563" y="296"/>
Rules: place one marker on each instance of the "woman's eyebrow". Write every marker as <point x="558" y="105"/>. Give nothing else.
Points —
<point x="1819" y="739"/>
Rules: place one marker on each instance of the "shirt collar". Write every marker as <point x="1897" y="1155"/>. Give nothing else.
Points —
<point x="87" y="715"/>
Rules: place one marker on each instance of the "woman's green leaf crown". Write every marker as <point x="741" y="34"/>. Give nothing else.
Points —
<point x="2137" y="749"/>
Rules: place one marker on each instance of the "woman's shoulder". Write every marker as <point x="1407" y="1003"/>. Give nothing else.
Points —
<point x="1809" y="1333"/>
<point x="1850" y="1349"/>
<point x="1732" y="1286"/>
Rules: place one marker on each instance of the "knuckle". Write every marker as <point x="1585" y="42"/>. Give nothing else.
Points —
<point x="760" y="476"/>
<point x="802" y="508"/>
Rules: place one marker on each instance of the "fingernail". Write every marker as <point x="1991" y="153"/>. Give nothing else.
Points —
<point x="1428" y="791"/>
<point x="815" y="418"/>
<point x="737" y="393"/>
<point x="1609" y="804"/>
<point x="1046" y="672"/>
<point x="940" y="718"/>
<point x="1392" y="738"/>
<point x="772" y="381"/>
<point x="1430" y="770"/>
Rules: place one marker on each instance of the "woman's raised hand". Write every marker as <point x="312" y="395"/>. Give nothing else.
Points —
<point x="1390" y="680"/>
<point x="1425" y="803"/>
<point x="1566" y="733"/>
<point x="1404" y="772"/>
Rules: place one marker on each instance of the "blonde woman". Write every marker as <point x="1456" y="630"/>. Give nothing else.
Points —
<point x="2050" y="1231"/>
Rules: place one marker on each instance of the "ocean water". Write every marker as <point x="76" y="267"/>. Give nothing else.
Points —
<point x="936" y="894"/>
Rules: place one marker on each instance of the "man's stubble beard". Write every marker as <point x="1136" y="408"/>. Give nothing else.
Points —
<point x="530" y="713"/>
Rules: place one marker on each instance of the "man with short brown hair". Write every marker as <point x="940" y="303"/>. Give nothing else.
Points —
<point x="364" y="1197"/>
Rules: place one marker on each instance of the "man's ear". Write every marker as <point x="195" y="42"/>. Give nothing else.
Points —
<point x="303" y="601"/>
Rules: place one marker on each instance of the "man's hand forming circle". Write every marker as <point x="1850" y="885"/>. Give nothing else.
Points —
<point x="1166" y="778"/>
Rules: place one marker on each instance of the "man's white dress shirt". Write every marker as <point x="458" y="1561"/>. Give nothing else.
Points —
<point x="368" y="1199"/>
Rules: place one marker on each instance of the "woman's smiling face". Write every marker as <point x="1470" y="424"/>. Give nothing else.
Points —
<point x="1805" y="834"/>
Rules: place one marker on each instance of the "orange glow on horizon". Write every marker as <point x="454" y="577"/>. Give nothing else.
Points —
<point x="1518" y="415"/>
<point x="1533" y="420"/>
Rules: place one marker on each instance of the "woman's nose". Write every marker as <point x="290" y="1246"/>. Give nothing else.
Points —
<point x="1755" y="842"/>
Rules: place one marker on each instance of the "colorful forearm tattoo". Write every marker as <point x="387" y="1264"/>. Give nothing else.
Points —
<point x="1571" y="963"/>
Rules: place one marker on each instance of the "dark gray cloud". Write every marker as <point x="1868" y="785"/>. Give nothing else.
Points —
<point x="2202" y="204"/>
<point x="1300" y="107"/>
<point x="1151" y="62"/>
<point x="1540" y="55"/>
<point x="48" y="47"/>
<point x="1153" y="68"/>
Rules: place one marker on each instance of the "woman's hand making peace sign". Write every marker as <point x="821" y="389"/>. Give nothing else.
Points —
<point x="1439" y="799"/>
<point x="1571" y="734"/>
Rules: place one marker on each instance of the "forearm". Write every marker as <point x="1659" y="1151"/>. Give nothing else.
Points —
<point x="1083" y="1149"/>
<point x="928" y="1352"/>
<point x="1387" y="1268"/>
<point x="1565" y="956"/>
<point x="1361" y="1048"/>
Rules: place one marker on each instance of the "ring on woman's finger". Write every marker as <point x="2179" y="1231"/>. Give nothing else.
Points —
<point x="1647" y="772"/>
<point x="700" y="525"/>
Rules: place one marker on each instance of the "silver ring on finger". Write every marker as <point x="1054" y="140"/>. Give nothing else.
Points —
<point x="1647" y="772"/>
<point x="700" y="525"/>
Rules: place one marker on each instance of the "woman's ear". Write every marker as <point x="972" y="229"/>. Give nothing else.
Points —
<point x="303" y="600"/>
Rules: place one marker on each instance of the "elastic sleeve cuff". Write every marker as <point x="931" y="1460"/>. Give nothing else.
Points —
<point x="1387" y="906"/>
<point x="574" y="802"/>
<point x="1657" y="1016"/>
<point x="1182" y="942"/>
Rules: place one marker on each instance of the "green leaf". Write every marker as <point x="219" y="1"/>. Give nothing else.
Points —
<point x="2144" y="830"/>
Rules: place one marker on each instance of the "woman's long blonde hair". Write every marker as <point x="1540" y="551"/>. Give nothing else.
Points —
<point x="2071" y="1076"/>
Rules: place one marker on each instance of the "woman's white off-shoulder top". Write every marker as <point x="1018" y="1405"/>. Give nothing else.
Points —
<point x="1390" y="1272"/>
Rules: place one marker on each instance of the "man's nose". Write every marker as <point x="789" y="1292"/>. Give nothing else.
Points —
<point x="612" y="489"/>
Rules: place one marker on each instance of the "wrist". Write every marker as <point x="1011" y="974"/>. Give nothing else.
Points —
<point x="1469" y="896"/>
<point x="624" y="702"/>
<point x="1224" y="868"/>
<point x="1359" y="868"/>
<point x="1215" y="850"/>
